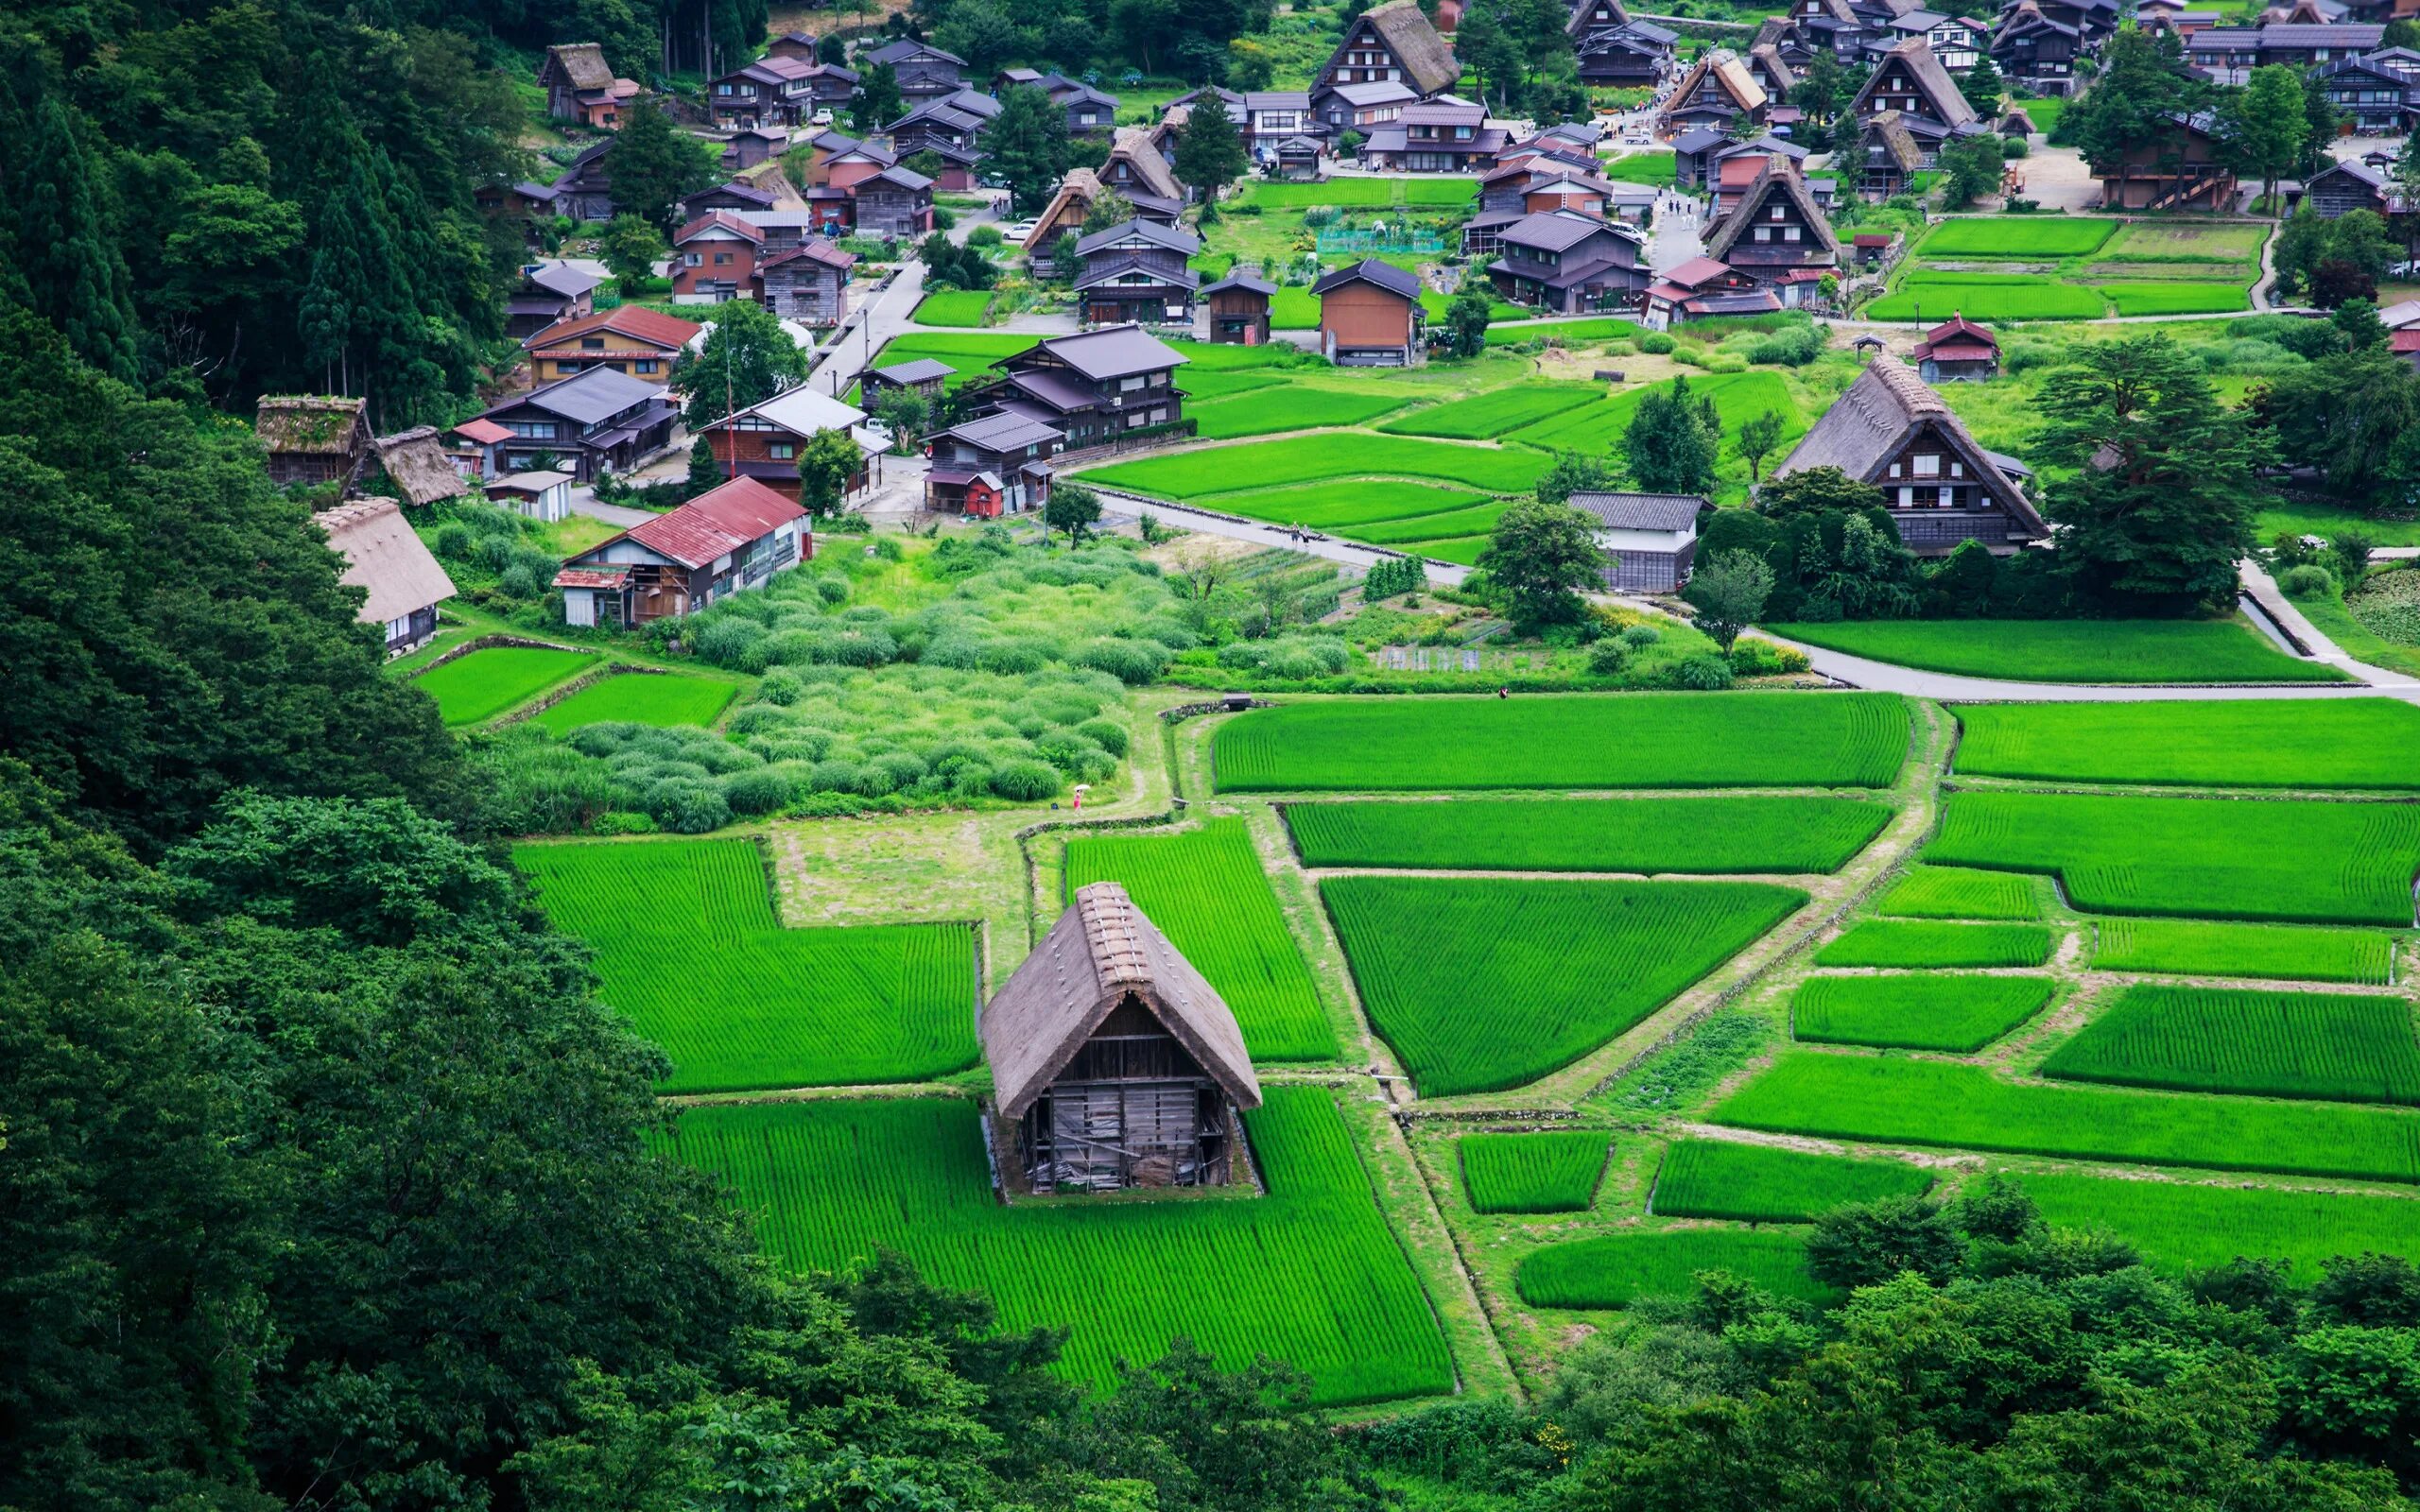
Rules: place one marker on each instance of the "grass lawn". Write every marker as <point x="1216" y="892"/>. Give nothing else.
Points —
<point x="2013" y="236"/>
<point x="1316" y="458"/>
<point x="1658" y="168"/>
<point x="486" y="683"/>
<point x="2322" y="520"/>
<point x="1290" y="407"/>
<point x="1570" y="333"/>
<point x="954" y="307"/>
<point x="641" y="698"/>
<point x="2084" y="651"/>
<point x="2145" y="241"/>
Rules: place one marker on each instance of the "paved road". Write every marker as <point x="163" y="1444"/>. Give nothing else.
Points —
<point x="864" y="333"/>
<point x="584" y="501"/>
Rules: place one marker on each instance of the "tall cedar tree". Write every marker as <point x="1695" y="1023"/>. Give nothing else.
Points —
<point x="2159" y="507"/>
<point x="2264" y="125"/>
<point x="1982" y="85"/>
<point x="879" y="102"/>
<point x="55" y="233"/>
<point x="1026" y="144"/>
<point x="1209" y="154"/>
<point x="654" y="165"/>
<point x="746" y="359"/>
<point x="1539" y="559"/>
<point x="2143" y="80"/>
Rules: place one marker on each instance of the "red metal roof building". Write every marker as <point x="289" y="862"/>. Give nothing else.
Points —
<point x="728" y="539"/>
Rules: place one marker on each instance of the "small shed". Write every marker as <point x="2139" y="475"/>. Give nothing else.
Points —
<point x="1871" y="247"/>
<point x="415" y="462"/>
<point x="313" y="439"/>
<point x="384" y="556"/>
<point x="541" y="495"/>
<point x="1957" y="349"/>
<point x="1370" y="316"/>
<point x="1648" y="540"/>
<point x="1298" y="159"/>
<point x="1114" y="1063"/>
<point x="923" y="376"/>
<point x="1240" y="309"/>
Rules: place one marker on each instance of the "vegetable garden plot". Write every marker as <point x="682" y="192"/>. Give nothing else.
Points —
<point x="1206" y="890"/>
<point x="1895" y="1100"/>
<point x="1943" y="1012"/>
<point x="2352" y="1048"/>
<point x="1483" y="416"/>
<point x="2340" y="743"/>
<point x="640" y="698"/>
<point x="1913" y="942"/>
<point x="1315" y="458"/>
<point x="1949" y="892"/>
<point x="1480" y="985"/>
<point x="2111" y="651"/>
<point x="1677" y="834"/>
<point x="1555" y="1171"/>
<point x="1615" y="1270"/>
<point x="2183" y="1227"/>
<point x="2293" y="859"/>
<point x="1604" y="741"/>
<point x="1308" y="1273"/>
<point x="686" y="944"/>
<point x="1758" y="1183"/>
<point x="2292" y="952"/>
<point x="478" y="687"/>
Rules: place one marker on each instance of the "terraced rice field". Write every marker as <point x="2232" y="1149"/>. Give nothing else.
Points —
<point x="1308" y="1273"/>
<point x="1485" y="985"/>
<point x="1758" y="1183"/>
<point x="1714" y="836"/>
<point x="1921" y="942"/>
<point x="472" y="688"/>
<point x="2180" y="297"/>
<point x="1569" y="332"/>
<point x="961" y="307"/>
<point x="640" y="698"/>
<point x="2184" y="1226"/>
<point x="1738" y="397"/>
<point x="2291" y="952"/>
<point x="1894" y="1100"/>
<point x="1622" y="741"/>
<point x="1615" y="1270"/>
<point x="1984" y="238"/>
<point x="1203" y="475"/>
<point x="1959" y="1013"/>
<point x="2338" y="743"/>
<point x="686" y="944"/>
<point x="2290" y="859"/>
<point x="1952" y="892"/>
<point x="1485" y="417"/>
<point x="1289" y="407"/>
<point x="2353" y="1047"/>
<point x="2086" y="651"/>
<point x="1352" y="508"/>
<point x="1454" y="524"/>
<point x="1930" y="296"/>
<point x="1209" y="894"/>
<point x="1555" y="1171"/>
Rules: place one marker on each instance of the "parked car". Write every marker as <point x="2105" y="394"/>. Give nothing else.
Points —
<point x="823" y="117"/>
<point x="1017" y="231"/>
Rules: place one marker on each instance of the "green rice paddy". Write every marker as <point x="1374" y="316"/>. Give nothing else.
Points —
<point x="2108" y="651"/>
<point x="2183" y="1227"/>
<point x="1913" y="942"/>
<point x="1288" y="407"/>
<point x="2353" y="1047"/>
<point x="2336" y="742"/>
<point x="2009" y="236"/>
<point x="1550" y="1171"/>
<point x="2292" y="953"/>
<point x="1675" y="835"/>
<point x="1615" y="1270"/>
<point x="1952" y="892"/>
<point x="1758" y="1183"/>
<point x="641" y="699"/>
<point x="1950" y="1011"/>
<point x="1485" y="417"/>
<point x="472" y="688"/>
<point x="960" y="307"/>
<point x="1201" y="474"/>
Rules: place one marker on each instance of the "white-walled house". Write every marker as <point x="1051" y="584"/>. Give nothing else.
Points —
<point x="725" y="540"/>
<point x="1649" y="539"/>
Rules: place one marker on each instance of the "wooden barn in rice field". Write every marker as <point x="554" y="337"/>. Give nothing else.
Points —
<point x="1114" y="1063"/>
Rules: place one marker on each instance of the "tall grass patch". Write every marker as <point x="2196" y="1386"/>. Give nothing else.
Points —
<point x="1758" y="1183"/>
<point x="1554" y="1171"/>
<point x="2353" y="1047"/>
<point x="1308" y="1273"/>
<point x="2291" y="952"/>
<point x="1681" y="834"/>
<point x="1206" y="890"/>
<point x="1922" y="943"/>
<point x="1952" y="1011"/>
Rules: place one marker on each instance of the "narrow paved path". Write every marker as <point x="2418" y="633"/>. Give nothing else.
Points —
<point x="584" y="501"/>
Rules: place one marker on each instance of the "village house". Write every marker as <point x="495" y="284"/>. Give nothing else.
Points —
<point x="477" y="449"/>
<point x="2378" y="99"/>
<point x="1273" y="117"/>
<point x="1341" y="108"/>
<point x="1957" y="40"/>
<point x="1693" y="156"/>
<point x="996" y="465"/>
<point x="1772" y="70"/>
<point x="598" y="421"/>
<point x="2186" y="24"/>
<point x="1391" y="44"/>
<point x="583" y="191"/>
<point x="2031" y="49"/>
<point x="734" y="196"/>
<point x="1592" y="18"/>
<point x="1094" y="387"/>
<point x="544" y="496"/>
<point x="1715" y="95"/>
<point x="773" y="90"/>
<point x="1955" y="350"/>
<point x="1736" y="169"/>
<point x="1240" y="309"/>
<point x="1565" y="263"/>
<point x="1886" y="156"/>
<point x="1778" y="234"/>
<point x="1137" y="271"/>
<point x="1138" y="173"/>
<point x="950" y="131"/>
<point x="384" y="557"/>
<point x="416" y="466"/>
<point x="840" y="161"/>
<point x="896" y="203"/>
<point x="2185" y="166"/>
<point x="629" y="338"/>
<point x="808" y="282"/>
<point x="925" y="71"/>
<point x="1911" y="81"/>
<point x="2227" y="55"/>
<point x="1439" y="136"/>
<point x="1296" y="159"/>
<point x="765" y="440"/>
<point x="1115" y="1064"/>
<point x="1701" y="287"/>
<point x="1943" y="490"/>
<point x="1832" y="26"/>
<point x="2345" y="186"/>
<point x="1086" y="109"/>
<point x="1650" y="539"/>
<point x="1370" y="316"/>
<point x="923" y="377"/>
<point x="749" y="146"/>
<point x="313" y="439"/>
<point x="548" y="292"/>
<point x="1621" y="53"/>
<point x="713" y="258"/>
<point x="581" y="86"/>
<point x="727" y="540"/>
<point x="799" y="45"/>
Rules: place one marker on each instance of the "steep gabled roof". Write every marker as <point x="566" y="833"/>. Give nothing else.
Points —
<point x="1872" y="421"/>
<point x="668" y="332"/>
<point x="1113" y="351"/>
<point x="713" y="524"/>
<point x="416" y="464"/>
<point x="724" y="221"/>
<point x="1780" y="176"/>
<point x="1889" y="131"/>
<point x="583" y="63"/>
<point x="1133" y="144"/>
<point x="308" y="424"/>
<point x="1429" y="64"/>
<point x="1775" y="67"/>
<point x="1956" y="331"/>
<point x="1373" y="272"/>
<point x="1640" y="511"/>
<point x="1916" y="56"/>
<point x="1101" y="952"/>
<point x="383" y="555"/>
<point x="1729" y="74"/>
<point x="1175" y="238"/>
<point x="1584" y="17"/>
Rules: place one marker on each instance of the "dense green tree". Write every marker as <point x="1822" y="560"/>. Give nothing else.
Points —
<point x="1982" y="85"/>
<point x="1824" y="89"/>
<point x="1729" y="590"/>
<point x="746" y="359"/>
<point x="984" y="35"/>
<point x="1145" y="29"/>
<point x="72" y="269"/>
<point x="630" y="249"/>
<point x="1250" y="65"/>
<point x="654" y="164"/>
<point x="2143" y="80"/>
<point x="2264" y="125"/>
<point x="1109" y="208"/>
<point x="1209" y="154"/>
<point x="1573" y="472"/>
<point x="2351" y="416"/>
<point x="1071" y="508"/>
<point x="1815" y="490"/>
<point x="2321" y="124"/>
<point x="1759" y="439"/>
<point x="1867" y="1244"/>
<point x="879" y="101"/>
<point x="2156" y="508"/>
<point x="1970" y="170"/>
<point x="1672" y="441"/>
<point x="825" y="464"/>
<point x="1466" y="317"/>
<point x="705" y="467"/>
<point x="1538" y="560"/>
<point x="1027" y="145"/>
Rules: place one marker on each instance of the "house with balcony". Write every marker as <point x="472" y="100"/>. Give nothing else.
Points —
<point x="629" y="339"/>
<point x="725" y="540"/>
<point x="2185" y="166"/>
<point x="1391" y="43"/>
<point x="773" y="90"/>
<point x="1094" y="387"/>
<point x="2378" y="100"/>
<point x="1137" y="272"/>
<point x="808" y="282"/>
<point x="1440" y="136"/>
<point x="593" y="423"/>
<point x="2032" y="48"/>
<point x="1567" y="263"/>
<point x="998" y="464"/>
<point x="947" y="129"/>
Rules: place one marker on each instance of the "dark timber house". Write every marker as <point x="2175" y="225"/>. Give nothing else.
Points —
<point x="313" y="439"/>
<point x="1114" y="1063"/>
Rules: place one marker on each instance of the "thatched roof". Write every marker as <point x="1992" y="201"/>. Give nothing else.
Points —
<point x="1780" y="176"/>
<point x="416" y="463"/>
<point x="1429" y="65"/>
<point x="309" y="424"/>
<point x="583" y="63"/>
<point x="1776" y="67"/>
<point x="1889" y="131"/>
<point x="1134" y="145"/>
<point x="1065" y="212"/>
<point x="385" y="556"/>
<point x="1729" y="74"/>
<point x="1100" y="951"/>
<point x="1872" y="421"/>
<point x="1583" y="18"/>
<point x="1914" y="55"/>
